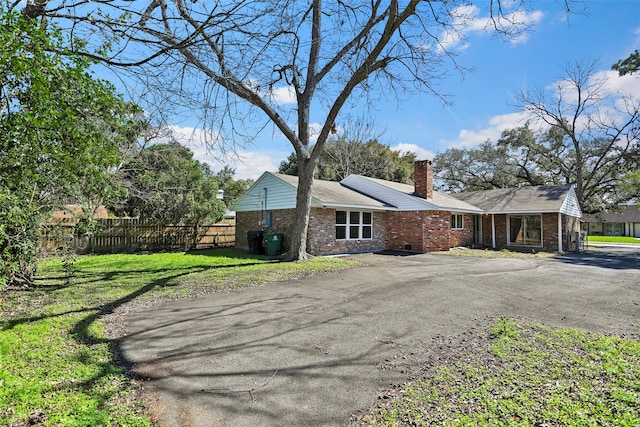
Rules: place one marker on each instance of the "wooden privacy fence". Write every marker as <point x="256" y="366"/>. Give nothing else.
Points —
<point x="133" y="235"/>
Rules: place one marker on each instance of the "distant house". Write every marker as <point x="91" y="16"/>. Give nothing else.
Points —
<point x="625" y="222"/>
<point x="361" y="214"/>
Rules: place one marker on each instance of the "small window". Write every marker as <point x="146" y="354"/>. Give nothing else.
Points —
<point x="354" y="225"/>
<point x="354" y="217"/>
<point x="457" y="222"/>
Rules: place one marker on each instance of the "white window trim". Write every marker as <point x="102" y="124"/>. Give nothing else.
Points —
<point x="361" y="225"/>
<point x="461" y="227"/>
<point x="510" y="243"/>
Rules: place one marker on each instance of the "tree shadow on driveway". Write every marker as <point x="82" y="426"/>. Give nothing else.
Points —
<point x="615" y="258"/>
<point x="264" y="359"/>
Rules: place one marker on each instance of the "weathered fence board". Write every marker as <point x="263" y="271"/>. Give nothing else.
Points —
<point x="117" y="235"/>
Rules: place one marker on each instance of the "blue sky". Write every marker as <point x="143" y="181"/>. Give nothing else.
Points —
<point x="481" y="101"/>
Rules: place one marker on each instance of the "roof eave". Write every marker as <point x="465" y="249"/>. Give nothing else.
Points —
<point x="357" y="206"/>
<point x="525" y="211"/>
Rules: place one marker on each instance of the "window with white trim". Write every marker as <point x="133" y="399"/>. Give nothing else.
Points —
<point x="525" y="230"/>
<point x="354" y="225"/>
<point x="457" y="222"/>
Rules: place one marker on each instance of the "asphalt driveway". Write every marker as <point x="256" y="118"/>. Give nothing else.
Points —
<point x="308" y="352"/>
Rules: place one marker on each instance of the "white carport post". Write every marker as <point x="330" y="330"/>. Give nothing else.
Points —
<point x="493" y="231"/>
<point x="560" y="249"/>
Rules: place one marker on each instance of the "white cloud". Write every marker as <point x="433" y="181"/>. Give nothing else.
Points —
<point x="248" y="164"/>
<point x="283" y="95"/>
<point x="612" y="86"/>
<point x="466" y="20"/>
<point x="420" y="152"/>
<point x="495" y="126"/>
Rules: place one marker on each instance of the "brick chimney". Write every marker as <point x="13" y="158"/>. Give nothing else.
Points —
<point x="423" y="178"/>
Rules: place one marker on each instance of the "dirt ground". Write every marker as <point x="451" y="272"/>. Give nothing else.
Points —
<point x="318" y="351"/>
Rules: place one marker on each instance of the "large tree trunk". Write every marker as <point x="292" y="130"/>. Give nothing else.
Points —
<point x="298" y="246"/>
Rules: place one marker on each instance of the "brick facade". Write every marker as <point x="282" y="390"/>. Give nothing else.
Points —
<point x="549" y="231"/>
<point x="282" y="221"/>
<point x="463" y="237"/>
<point x="426" y="231"/>
<point x="423" y="178"/>
<point x="321" y="237"/>
<point x="419" y="231"/>
<point x="405" y="231"/>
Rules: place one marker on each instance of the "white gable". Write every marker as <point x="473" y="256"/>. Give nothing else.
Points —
<point x="267" y="193"/>
<point x="570" y="206"/>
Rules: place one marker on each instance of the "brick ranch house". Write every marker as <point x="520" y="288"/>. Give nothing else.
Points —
<point x="361" y="214"/>
<point x="625" y="222"/>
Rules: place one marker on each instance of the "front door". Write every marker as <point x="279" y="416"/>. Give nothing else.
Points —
<point x="477" y="231"/>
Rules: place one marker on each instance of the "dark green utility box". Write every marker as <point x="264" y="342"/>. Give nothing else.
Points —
<point x="272" y="243"/>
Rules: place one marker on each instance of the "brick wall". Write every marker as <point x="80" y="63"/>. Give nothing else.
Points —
<point x="423" y="178"/>
<point x="437" y="231"/>
<point x="321" y="237"/>
<point x="246" y="221"/>
<point x="426" y="231"/>
<point x="570" y="224"/>
<point x="405" y="231"/>
<point x="462" y="237"/>
<point x="501" y="231"/>
<point x="549" y="231"/>
<point x="322" y="234"/>
<point x="281" y="222"/>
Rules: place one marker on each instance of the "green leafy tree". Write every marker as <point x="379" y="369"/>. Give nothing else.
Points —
<point x="233" y="60"/>
<point x="19" y="237"/>
<point x="166" y="185"/>
<point x="630" y="185"/>
<point x="585" y="137"/>
<point x="592" y="135"/>
<point x="341" y="158"/>
<point x="59" y="132"/>
<point x="522" y="157"/>
<point x="629" y="65"/>
<point x="233" y="188"/>
<point x="483" y="167"/>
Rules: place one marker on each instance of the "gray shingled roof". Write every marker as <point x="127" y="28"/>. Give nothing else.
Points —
<point x="357" y="190"/>
<point x="333" y="193"/>
<point x="629" y="213"/>
<point x="512" y="200"/>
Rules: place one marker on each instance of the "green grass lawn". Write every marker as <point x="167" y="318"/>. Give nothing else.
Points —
<point x="526" y="375"/>
<point x="613" y="239"/>
<point x="58" y="367"/>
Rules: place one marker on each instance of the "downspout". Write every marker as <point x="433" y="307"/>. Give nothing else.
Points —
<point x="560" y="249"/>
<point x="264" y="207"/>
<point x="493" y="231"/>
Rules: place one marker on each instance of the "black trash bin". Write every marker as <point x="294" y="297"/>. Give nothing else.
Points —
<point x="254" y="238"/>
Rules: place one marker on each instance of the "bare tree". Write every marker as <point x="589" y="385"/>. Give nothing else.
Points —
<point x="596" y="132"/>
<point x="231" y="61"/>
